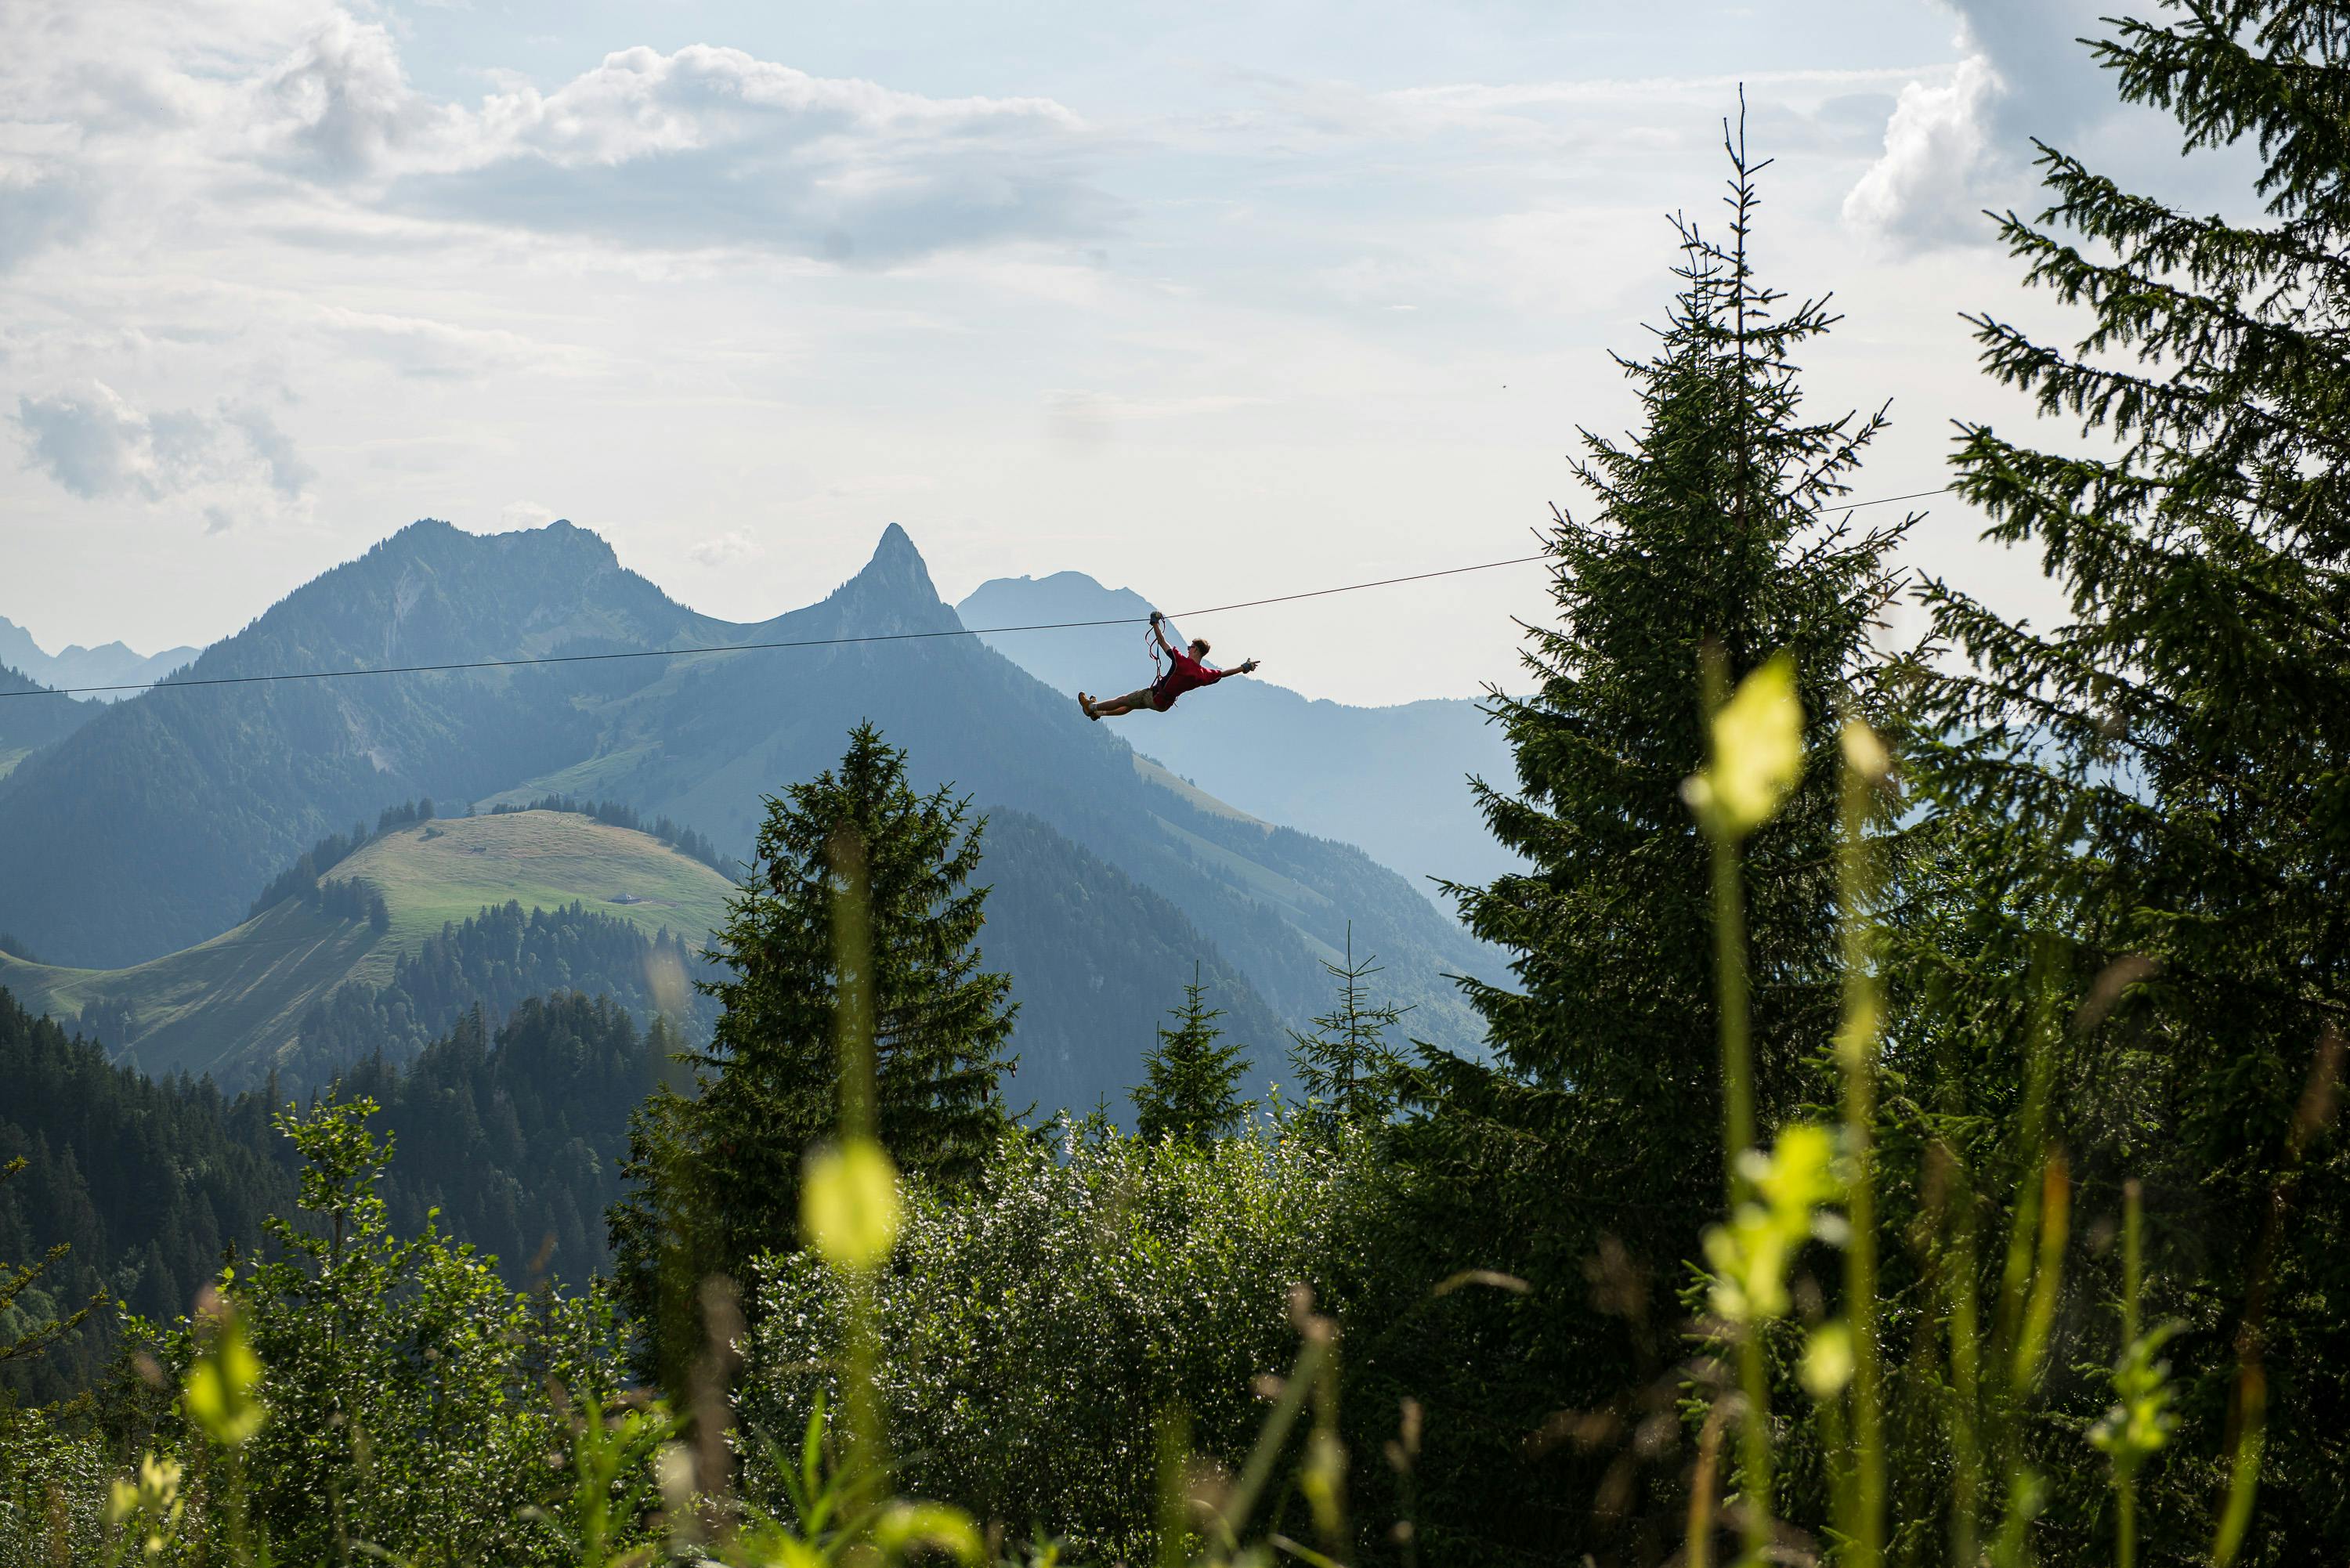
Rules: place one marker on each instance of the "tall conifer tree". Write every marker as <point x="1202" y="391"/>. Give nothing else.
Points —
<point x="1595" y="1132"/>
<point x="718" y="1173"/>
<point x="2167" y="775"/>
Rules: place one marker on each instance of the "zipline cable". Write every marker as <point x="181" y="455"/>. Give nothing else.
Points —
<point x="169" y="685"/>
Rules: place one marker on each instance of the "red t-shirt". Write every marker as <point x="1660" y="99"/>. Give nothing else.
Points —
<point x="1185" y="673"/>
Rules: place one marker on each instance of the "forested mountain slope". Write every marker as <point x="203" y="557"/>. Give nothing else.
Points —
<point x="29" y="721"/>
<point x="149" y="828"/>
<point x="514" y="1133"/>
<point x="1391" y="781"/>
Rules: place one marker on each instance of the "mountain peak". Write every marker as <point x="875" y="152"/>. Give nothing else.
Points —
<point x="897" y="569"/>
<point x="897" y="547"/>
<point x="893" y="593"/>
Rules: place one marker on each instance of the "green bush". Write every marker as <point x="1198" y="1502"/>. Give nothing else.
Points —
<point x="1035" y="1331"/>
<point x="414" y="1400"/>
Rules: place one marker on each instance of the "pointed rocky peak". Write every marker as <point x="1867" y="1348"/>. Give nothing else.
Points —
<point x="899" y="565"/>
<point x="894" y="592"/>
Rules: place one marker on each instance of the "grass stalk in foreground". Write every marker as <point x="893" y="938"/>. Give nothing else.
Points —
<point x="852" y="1193"/>
<point x="1866" y="765"/>
<point x="1755" y="756"/>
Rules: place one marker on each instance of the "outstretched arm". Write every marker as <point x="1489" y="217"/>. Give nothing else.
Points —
<point x="1159" y="630"/>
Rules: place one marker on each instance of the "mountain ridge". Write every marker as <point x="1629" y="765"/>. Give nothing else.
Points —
<point x="145" y="830"/>
<point x="109" y="664"/>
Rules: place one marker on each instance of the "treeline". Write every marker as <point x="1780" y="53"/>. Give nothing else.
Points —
<point x="683" y="839"/>
<point x="512" y="1133"/>
<point x="301" y="879"/>
<point x="352" y="898"/>
<point x="150" y="1182"/>
<point x="491" y="964"/>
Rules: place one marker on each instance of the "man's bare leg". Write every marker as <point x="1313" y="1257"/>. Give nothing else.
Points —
<point x="1115" y="708"/>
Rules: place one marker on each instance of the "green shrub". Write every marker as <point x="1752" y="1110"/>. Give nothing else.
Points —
<point x="1035" y="1331"/>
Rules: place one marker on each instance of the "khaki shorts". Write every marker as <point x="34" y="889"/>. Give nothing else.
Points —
<point x="1147" y="700"/>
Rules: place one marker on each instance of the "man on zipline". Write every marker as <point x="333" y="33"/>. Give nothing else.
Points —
<point x="1185" y="673"/>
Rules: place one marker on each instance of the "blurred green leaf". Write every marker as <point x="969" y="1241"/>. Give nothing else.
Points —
<point x="849" y="1208"/>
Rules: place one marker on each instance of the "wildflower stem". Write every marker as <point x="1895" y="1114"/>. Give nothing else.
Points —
<point x="1738" y="1126"/>
<point x="852" y="932"/>
<point x="2124" y="1476"/>
<point x="1960" y="1283"/>
<point x="1856" y="1052"/>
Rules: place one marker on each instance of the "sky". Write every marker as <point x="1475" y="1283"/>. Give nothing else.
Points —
<point x="1214" y="300"/>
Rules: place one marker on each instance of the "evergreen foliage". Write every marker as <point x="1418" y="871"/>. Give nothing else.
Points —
<point x="146" y="1184"/>
<point x="514" y="1136"/>
<point x="1076" y="933"/>
<point x="1189" y="1090"/>
<point x="2137" y="822"/>
<point x="29" y="1321"/>
<point x="493" y="963"/>
<point x="405" y="1385"/>
<point x="2162" y="775"/>
<point x="1344" y="1063"/>
<point x="1714" y="529"/>
<point x="718" y="1175"/>
<point x="300" y="880"/>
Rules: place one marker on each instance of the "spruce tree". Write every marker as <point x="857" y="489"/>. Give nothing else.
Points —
<point x="27" y="1331"/>
<point x="1345" y="1062"/>
<point x="717" y="1173"/>
<point x="1190" y="1088"/>
<point x="1587" y="1156"/>
<point x="2161" y="777"/>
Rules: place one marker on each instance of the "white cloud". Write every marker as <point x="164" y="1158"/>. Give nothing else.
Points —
<point x="704" y="146"/>
<point x="340" y="105"/>
<point x="98" y="445"/>
<point x="519" y="515"/>
<point x="725" y="549"/>
<point x="1954" y="148"/>
<point x="1937" y="145"/>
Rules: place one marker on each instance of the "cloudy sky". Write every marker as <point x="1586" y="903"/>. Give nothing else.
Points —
<point x="1212" y="299"/>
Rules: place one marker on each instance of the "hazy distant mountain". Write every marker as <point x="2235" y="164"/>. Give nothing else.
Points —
<point x="149" y="829"/>
<point x="111" y="665"/>
<point x="1390" y="781"/>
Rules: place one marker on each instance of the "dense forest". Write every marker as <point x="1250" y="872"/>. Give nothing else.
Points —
<point x="302" y="879"/>
<point x="493" y="963"/>
<point x="514" y="1135"/>
<point x="1906" y="1126"/>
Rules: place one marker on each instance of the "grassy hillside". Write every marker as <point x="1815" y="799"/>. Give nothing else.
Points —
<point x="447" y="871"/>
<point x="240" y="996"/>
